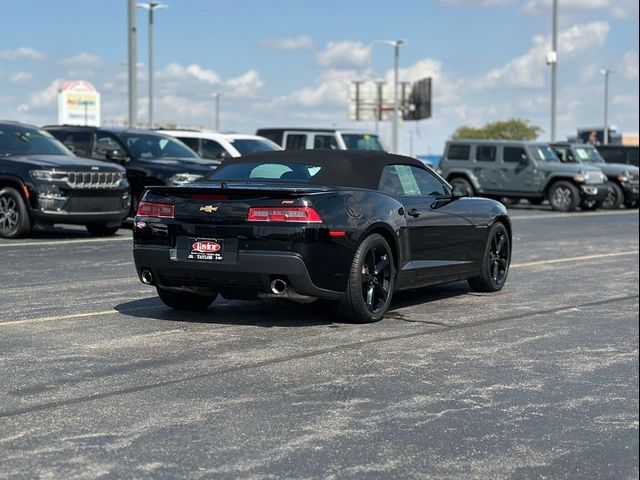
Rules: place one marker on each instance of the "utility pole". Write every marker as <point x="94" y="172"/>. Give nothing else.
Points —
<point x="133" y="62"/>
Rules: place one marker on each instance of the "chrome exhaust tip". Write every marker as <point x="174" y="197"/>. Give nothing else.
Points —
<point x="147" y="277"/>
<point x="279" y="286"/>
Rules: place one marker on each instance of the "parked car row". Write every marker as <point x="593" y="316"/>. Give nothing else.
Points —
<point x="514" y="170"/>
<point x="95" y="176"/>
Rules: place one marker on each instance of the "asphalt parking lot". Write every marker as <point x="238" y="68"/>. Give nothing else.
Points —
<point x="99" y="379"/>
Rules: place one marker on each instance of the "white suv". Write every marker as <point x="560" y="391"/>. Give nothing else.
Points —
<point x="218" y="146"/>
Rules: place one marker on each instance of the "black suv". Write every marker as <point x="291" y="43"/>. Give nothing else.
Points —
<point x="149" y="157"/>
<point x="42" y="183"/>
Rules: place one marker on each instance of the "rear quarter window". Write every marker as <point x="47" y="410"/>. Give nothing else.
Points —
<point x="458" y="152"/>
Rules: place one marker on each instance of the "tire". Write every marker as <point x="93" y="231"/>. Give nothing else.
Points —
<point x="495" y="262"/>
<point x="14" y="217"/>
<point x="368" y="295"/>
<point x="564" y="196"/>
<point x="101" y="230"/>
<point x="536" y="201"/>
<point x="185" y="300"/>
<point x="615" y="197"/>
<point x="462" y="186"/>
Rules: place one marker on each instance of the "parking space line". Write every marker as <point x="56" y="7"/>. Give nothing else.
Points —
<point x="574" y="259"/>
<point x="72" y="316"/>
<point x="572" y="215"/>
<point x="64" y="242"/>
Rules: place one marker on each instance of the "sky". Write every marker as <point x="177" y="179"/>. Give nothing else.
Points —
<point x="280" y="63"/>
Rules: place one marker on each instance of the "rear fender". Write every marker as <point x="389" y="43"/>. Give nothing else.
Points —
<point x="467" y="174"/>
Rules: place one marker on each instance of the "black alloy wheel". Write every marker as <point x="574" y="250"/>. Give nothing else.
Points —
<point x="371" y="282"/>
<point x="462" y="187"/>
<point x="14" y="219"/>
<point x="564" y="196"/>
<point x="614" y="198"/>
<point x="185" y="300"/>
<point x="496" y="261"/>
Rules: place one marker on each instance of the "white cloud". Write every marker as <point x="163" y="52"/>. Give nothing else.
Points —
<point x="245" y="85"/>
<point x="630" y="65"/>
<point x="203" y="74"/>
<point x="82" y="60"/>
<point x="528" y="70"/>
<point x="344" y="55"/>
<point x="536" y="7"/>
<point x="21" y="53"/>
<point x="288" y="44"/>
<point x="176" y="72"/>
<point x="20" y="77"/>
<point x="589" y="71"/>
<point x="45" y="97"/>
<point x="625" y="100"/>
<point x="330" y="92"/>
<point x="625" y="9"/>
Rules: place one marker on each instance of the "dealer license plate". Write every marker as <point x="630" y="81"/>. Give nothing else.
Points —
<point x="204" y="249"/>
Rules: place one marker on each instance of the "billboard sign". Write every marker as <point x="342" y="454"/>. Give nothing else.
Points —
<point x="78" y="104"/>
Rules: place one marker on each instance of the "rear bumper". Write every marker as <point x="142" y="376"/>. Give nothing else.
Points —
<point x="249" y="272"/>
<point x="596" y="192"/>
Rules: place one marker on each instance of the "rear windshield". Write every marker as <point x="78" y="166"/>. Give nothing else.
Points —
<point x="147" y="146"/>
<point x="248" y="145"/>
<point x="29" y="141"/>
<point x="266" y="171"/>
<point x="356" y="141"/>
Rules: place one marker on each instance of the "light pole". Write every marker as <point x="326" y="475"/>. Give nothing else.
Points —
<point x="151" y="6"/>
<point x="133" y="94"/>
<point x="552" y="59"/>
<point x="606" y="72"/>
<point x="396" y="98"/>
<point x="217" y="101"/>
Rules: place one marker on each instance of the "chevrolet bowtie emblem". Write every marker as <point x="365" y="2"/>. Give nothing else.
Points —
<point x="208" y="208"/>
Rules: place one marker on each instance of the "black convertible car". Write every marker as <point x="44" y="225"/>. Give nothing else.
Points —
<point x="348" y="227"/>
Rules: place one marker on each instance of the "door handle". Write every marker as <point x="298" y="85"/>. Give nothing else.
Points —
<point x="414" y="213"/>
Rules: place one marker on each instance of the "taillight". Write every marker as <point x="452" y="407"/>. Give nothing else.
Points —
<point x="284" y="214"/>
<point x="151" y="209"/>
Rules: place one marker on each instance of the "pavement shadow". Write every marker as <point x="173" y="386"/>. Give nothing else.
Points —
<point x="230" y="312"/>
<point x="420" y="296"/>
<point x="279" y="313"/>
<point x="66" y="233"/>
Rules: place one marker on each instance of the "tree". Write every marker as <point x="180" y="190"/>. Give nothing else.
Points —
<point x="513" y="129"/>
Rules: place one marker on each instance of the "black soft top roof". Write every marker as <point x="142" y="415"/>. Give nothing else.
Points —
<point x="347" y="168"/>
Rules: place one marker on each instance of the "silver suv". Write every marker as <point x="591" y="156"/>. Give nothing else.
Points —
<point x="515" y="170"/>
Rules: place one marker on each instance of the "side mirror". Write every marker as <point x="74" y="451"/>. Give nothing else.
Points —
<point x="117" y="156"/>
<point x="71" y="148"/>
<point x="524" y="160"/>
<point x="223" y="155"/>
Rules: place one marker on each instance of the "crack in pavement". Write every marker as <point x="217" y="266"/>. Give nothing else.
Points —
<point x="276" y="361"/>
